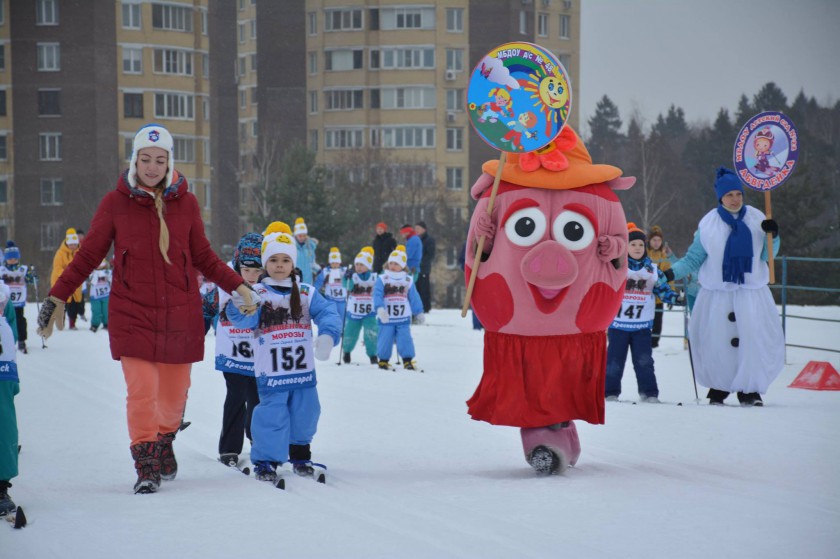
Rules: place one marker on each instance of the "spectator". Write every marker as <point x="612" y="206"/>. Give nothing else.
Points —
<point x="660" y="254"/>
<point x="63" y="256"/>
<point x="384" y="244"/>
<point x="424" y="282"/>
<point x="306" y="246"/>
<point x="413" y="250"/>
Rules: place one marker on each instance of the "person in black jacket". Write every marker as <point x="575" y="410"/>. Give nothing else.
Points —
<point x="424" y="284"/>
<point x="383" y="245"/>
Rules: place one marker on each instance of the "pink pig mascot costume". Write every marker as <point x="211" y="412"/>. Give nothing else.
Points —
<point x="550" y="283"/>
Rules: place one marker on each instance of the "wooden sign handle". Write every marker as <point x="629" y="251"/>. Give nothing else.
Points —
<point x="480" y="246"/>
<point x="768" y="212"/>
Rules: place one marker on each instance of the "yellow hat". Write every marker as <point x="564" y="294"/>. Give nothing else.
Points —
<point x="277" y="227"/>
<point x="335" y="256"/>
<point x="300" y="227"/>
<point x="398" y="256"/>
<point x="365" y="257"/>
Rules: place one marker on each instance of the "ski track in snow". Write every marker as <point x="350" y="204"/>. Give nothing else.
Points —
<point x="412" y="476"/>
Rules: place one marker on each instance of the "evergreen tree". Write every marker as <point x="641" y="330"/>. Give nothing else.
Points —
<point x="770" y="98"/>
<point x="745" y="111"/>
<point x="604" y="128"/>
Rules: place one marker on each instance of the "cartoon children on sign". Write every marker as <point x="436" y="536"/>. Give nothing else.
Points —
<point x="530" y="97"/>
<point x="766" y="151"/>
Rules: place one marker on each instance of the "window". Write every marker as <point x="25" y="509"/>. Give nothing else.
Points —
<point x="243" y="98"/>
<point x="132" y="60"/>
<point x="349" y="19"/>
<point x="206" y="155"/>
<point x="242" y="33"/>
<point x="2" y="57"/>
<point x="452" y="257"/>
<point x="207" y="196"/>
<point x="523" y="22"/>
<point x="4" y="149"/>
<point x="52" y="192"/>
<point x="312" y="22"/>
<point x="565" y="60"/>
<point x="402" y="57"/>
<point x="46" y="12"/>
<point x="254" y="96"/>
<point x="455" y="59"/>
<point x="254" y="62"/>
<point x="255" y="129"/>
<point x="406" y="18"/>
<point x="133" y="105"/>
<point x="128" y="146"/>
<point x="254" y="29"/>
<point x="205" y="106"/>
<point x="174" y="105"/>
<point x="49" y="146"/>
<point x="403" y="137"/>
<point x="173" y="61"/>
<point x="2" y="12"/>
<point x="49" y="102"/>
<point x="455" y="178"/>
<point x="454" y="99"/>
<point x="2" y="98"/>
<point x="205" y="65"/>
<point x="339" y="138"/>
<point x="52" y="234"/>
<point x="542" y="25"/>
<point x="184" y="150"/>
<point x="565" y="27"/>
<point x="313" y="62"/>
<point x="454" y="139"/>
<point x="204" y="22"/>
<point x="242" y="65"/>
<point x="131" y="15"/>
<point x="172" y="18"/>
<point x="313" y="102"/>
<point x="407" y="98"/>
<point x="4" y="189"/>
<point x="49" y="57"/>
<point x="340" y="60"/>
<point x="344" y="99"/>
<point x="455" y="20"/>
<point x="313" y="140"/>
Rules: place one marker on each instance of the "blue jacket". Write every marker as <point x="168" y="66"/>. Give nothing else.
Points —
<point x="306" y="259"/>
<point x="413" y="253"/>
<point x="413" y="300"/>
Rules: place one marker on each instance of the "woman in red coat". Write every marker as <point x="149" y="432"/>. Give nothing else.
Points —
<point x="155" y="323"/>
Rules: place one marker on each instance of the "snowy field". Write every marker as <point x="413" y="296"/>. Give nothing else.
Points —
<point x="412" y="476"/>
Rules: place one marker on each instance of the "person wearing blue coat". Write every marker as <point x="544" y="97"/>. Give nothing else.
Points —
<point x="395" y="299"/>
<point x="286" y="419"/>
<point x="306" y="246"/>
<point x="413" y="250"/>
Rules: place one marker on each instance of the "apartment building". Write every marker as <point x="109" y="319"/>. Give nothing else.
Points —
<point x="77" y="79"/>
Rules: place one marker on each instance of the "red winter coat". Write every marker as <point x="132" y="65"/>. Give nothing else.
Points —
<point x="154" y="312"/>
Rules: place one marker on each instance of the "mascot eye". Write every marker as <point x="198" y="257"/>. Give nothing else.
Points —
<point x="525" y="227"/>
<point x="573" y="230"/>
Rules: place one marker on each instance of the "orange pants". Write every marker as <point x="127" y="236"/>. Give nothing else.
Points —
<point x="157" y="394"/>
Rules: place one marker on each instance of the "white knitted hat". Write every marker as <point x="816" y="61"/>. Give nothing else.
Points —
<point x="365" y="257"/>
<point x="152" y="136"/>
<point x="300" y="227"/>
<point x="398" y="256"/>
<point x="278" y="243"/>
<point x="335" y="256"/>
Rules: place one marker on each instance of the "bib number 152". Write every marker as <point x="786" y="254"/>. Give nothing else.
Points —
<point x="291" y="358"/>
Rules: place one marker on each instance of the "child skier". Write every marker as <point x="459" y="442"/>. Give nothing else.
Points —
<point x="330" y="282"/>
<point x="9" y="387"/>
<point x="100" y="291"/>
<point x="286" y="419"/>
<point x="235" y="357"/>
<point x="396" y="299"/>
<point x="16" y="276"/>
<point x="360" y="307"/>
<point x="631" y="328"/>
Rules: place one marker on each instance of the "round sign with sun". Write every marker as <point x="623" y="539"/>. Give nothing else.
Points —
<point x="519" y="97"/>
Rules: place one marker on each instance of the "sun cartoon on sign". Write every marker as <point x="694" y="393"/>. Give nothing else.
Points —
<point x="550" y="94"/>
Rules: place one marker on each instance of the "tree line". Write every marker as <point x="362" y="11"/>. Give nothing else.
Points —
<point x="674" y="163"/>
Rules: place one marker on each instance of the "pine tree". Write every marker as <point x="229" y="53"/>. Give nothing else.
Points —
<point x="604" y="128"/>
<point x="770" y="98"/>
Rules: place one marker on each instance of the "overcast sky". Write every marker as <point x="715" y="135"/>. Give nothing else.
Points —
<point x="701" y="55"/>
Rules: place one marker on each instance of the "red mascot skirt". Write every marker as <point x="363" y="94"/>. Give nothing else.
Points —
<point x="536" y="381"/>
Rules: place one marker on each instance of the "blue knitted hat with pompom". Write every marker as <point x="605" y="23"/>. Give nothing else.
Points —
<point x="11" y="251"/>
<point x="726" y="181"/>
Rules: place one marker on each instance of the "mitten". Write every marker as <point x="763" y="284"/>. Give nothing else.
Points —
<point x="382" y="315"/>
<point x="323" y="346"/>
<point x="420" y="318"/>
<point x="245" y="299"/>
<point x="484" y="227"/>
<point x="52" y="313"/>
<point x="770" y="226"/>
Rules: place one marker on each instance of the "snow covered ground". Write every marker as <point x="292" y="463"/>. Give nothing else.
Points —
<point x="412" y="476"/>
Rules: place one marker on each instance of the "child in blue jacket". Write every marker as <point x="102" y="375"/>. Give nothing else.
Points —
<point x="286" y="419"/>
<point x="395" y="299"/>
<point x="631" y="327"/>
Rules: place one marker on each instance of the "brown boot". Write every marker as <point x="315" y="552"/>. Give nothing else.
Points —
<point x="147" y="463"/>
<point x="168" y="465"/>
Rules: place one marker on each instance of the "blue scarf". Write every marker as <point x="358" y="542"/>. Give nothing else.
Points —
<point x="738" y="254"/>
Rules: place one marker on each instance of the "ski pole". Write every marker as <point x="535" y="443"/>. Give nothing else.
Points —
<point x="343" y="323"/>
<point x="693" y="377"/>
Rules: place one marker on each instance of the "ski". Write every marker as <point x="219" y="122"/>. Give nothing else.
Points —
<point x="184" y="425"/>
<point x="18" y="519"/>
<point x="235" y="465"/>
<point x="310" y="469"/>
<point x="636" y="402"/>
